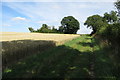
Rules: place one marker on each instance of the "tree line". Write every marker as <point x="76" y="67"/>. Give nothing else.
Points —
<point x="107" y="27"/>
<point x="69" y="25"/>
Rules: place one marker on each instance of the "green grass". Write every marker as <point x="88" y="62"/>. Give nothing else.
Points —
<point x="71" y="60"/>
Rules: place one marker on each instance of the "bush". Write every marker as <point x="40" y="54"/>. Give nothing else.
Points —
<point x="111" y="32"/>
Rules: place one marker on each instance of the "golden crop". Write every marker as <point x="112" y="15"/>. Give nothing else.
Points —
<point x="10" y="36"/>
<point x="16" y="46"/>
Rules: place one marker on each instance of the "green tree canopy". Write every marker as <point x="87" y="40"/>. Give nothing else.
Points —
<point x="61" y="29"/>
<point x="69" y="25"/>
<point x="111" y="17"/>
<point x="45" y="26"/>
<point x="117" y="5"/>
<point x="44" y="29"/>
<point x="95" y="22"/>
<point x="31" y="29"/>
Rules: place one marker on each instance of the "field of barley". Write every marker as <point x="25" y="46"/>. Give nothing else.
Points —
<point x="10" y="36"/>
<point x="16" y="45"/>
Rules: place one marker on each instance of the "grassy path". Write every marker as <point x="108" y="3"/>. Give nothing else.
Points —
<point x="79" y="58"/>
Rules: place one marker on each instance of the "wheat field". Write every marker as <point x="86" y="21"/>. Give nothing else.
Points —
<point x="17" y="45"/>
<point x="10" y="36"/>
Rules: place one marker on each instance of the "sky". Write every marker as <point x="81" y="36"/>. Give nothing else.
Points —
<point x="18" y="15"/>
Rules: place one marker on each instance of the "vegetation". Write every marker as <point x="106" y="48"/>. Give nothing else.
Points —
<point x="69" y="26"/>
<point x="71" y="60"/>
<point x="108" y="29"/>
<point x="111" y="17"/>
<point x="95" y="22"/>
<point x="108" y="26"/>
<point x="16" y="48"/>
<point x="95" y="56"/>
<point x="31" y="29"/>
<point x="117" y="5"/>
<point x="44" y="29"/>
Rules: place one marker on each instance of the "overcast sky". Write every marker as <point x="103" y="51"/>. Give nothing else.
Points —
<point x="17" y="16"/>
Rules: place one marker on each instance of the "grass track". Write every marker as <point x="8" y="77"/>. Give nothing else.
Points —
<point x="71" y="60"/>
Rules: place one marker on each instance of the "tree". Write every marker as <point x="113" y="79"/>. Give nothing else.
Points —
<point x="111" y="17"/>
<point x="45" y="26"/>
<point x="117" y="5"/>
<point x="31" y="29"/>
<point x="61" y="29"/>
<point x="54" y="30"/>
<point x="95" y="22"/>
<point x="69" y="25"/>
<point x="44" y="29"/>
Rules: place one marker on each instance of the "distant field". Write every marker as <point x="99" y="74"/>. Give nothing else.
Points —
<point x="10" y="36"/>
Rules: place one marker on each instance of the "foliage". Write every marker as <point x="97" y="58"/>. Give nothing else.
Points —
<point x="95" y="22"/>
<point x="69" y="25"/>
<point x="102" y="31"/>
<point x="107" y="27"/>
<point x="99" y="23"/>
<point x="117" y="5"/>
<point x="44" y="29"/>
<point x="54" y="30"/>
<point x="61" y="29"/>
<point x="111" y="17"/>
<point x="113" y="31"/>
<point x="31" y="29"/>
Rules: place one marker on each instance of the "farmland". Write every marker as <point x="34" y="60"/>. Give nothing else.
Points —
<point x="16" y="46"/>
<point x="10" y="36"/>
<point x="61" y="44"/>
<point x="81" y="57"/>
